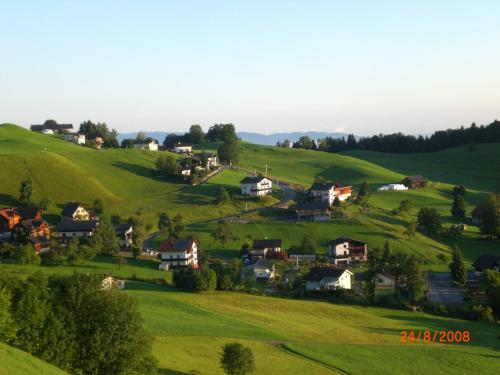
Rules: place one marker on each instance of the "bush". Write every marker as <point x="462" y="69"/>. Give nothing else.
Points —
<point x="237" y="359"/>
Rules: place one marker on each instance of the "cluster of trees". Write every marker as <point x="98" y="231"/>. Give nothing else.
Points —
<point x="71" y="322"/>
<point x="167" y="165"/>
<point x="141" y="137"/>
<point x="228" y="150"/>
<point x="100" y="129"/>
<point x="402" y="143"/>
<point x="490" y="216"/>
<point x="405" y="269"/>
<point x="18" y="254"/>
<point x="491" y="286"/>
<point x="196" y="135"/>
<point x="172" y="227"/>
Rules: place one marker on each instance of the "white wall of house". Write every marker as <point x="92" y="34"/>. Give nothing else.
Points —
<point x="151" y="146"/>
<point x="183" y="149"/>
<point x="330" y="195"/>
<point x="81" y="214"/>
<point x="331" y="283"/>
<point x="265" y="186"/>
<point x="179" y="258"/>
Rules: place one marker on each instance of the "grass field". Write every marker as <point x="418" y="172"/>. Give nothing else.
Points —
<point x="16" y="362"/>
<point x="125" y="179"/>
<point x="297" y="337"/>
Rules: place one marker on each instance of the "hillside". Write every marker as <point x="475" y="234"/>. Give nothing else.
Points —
<point x="15" y="361"/>
<point x="125" y="179"/>
<point x="297" y="337"/>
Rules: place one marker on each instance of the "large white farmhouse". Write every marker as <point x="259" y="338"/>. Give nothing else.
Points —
<point x="256" y="186"/>
<point x="149" y="144"/>
<point x="328" y="278"/>
<point x="327" y="192"/>
<point x="178" y="253"/>
<point x="183" y="148"/>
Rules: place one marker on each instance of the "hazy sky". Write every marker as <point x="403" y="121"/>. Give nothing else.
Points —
<point x="357" y="66"/>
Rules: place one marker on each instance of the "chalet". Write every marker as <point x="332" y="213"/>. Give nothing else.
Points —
<point x="52" y="125"/>
<point x="183" y="148"/>
<point x="178" y="253"/>
<point x="345" y="250"/>
<point x="256" y="186"/>
<point x="263" y="269"/>
<point x="67" y="229"/>
<point x="262" y="248"/>
<point x="77" y="138"/>
<point x="27" y="213"/>
<point x="148" y="144"/>
<point x="328" y="278"/>
<point x="486" y="262"/>
<point x="9" y="219"/>
<point x="414" y="181"/>
<point x="75" y="211"/>
<point x="327" y="192"/>
<point x="312" y="210"/>
<point x="37" y="232"/>
<point x="124" y="234"/>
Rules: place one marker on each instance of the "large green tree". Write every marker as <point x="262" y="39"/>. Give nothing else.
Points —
<point x="429" y="221"/>
<point x="25" y="191"/>
<point x="457" y="267"/>
<point x="490" y="217"/>
<point x="237" y="359"/>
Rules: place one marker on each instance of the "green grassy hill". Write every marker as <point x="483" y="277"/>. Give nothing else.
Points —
<point x="125" y="179"/>
<point x="15" y="361"/>
<point x="297" y="337"/>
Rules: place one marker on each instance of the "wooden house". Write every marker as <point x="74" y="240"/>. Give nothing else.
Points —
<point x="312" y="210"/>
<point x="414" y="181"/>
<point x="345" y="250"/>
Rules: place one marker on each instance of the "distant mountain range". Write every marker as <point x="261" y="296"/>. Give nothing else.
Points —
<point x="258" y="138"/>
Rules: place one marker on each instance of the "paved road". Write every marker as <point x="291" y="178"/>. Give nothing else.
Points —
<point x="441" y="288"/>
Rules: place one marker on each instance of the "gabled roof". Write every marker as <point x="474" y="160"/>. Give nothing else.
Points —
<point x="34" y="223"/>
<point x="319" y="273"/>
<point x="77" y="226"/>
<point x="340" y="240"/>
<point x="177" y="245"/>
<point x="253" y="180"/>
<point x="263" y="263"/>
<point x="28" y="212"/>
<point x="415" y="179"/>
<point x="8" y="213"/>
<point x="70" y="209"/>
<point x="39" y="128"/>
<point x="323" y="186"/>
<point x="263" y="244"/>
<point x="312" y="205"/>
<point x="486" y="261"/>
<point x="179" y="144"/>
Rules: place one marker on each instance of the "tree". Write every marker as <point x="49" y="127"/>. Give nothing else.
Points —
<point x="167" y="166"/>
<point x="104" y="239"/>
<point x="237" y="359"/>
<point x="205" y="279"/>
<point x="411" y="230"/>
<point x="139" y="233"/>
<point x="459" y="191"/>
<point x="7" y="327"/>
<point x="458" y="207"/>
<point x="457" y="267"/>
<point x="222" y="196"/>
<point x="364" y="190"/>
<point x="228" y="151"/>
<point x="405" y="206"/>
<point x="177" y="226"/>
<point x="336" y="202"/>
<point x="490" y="217"/>
<point x="164" y="224"/>
<point x="25" y="192"/>
<point x="429" y="221"/>
<point x="119" y="260"/>
<point x="196" y="134"/>
<point x="308" y="243"/>
<point x="141" y="136"/>
<point x="73" y="252"/>
<point x="99" y="206"/>
<point x="25" y="254"/>
<point x="223" y="233"/>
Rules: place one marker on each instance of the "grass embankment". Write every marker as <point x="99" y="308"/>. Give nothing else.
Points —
<point x="15" y="361"/>
<point x="189" y="330"/>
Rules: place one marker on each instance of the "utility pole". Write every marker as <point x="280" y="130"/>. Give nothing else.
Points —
<point x="266" y="170"/>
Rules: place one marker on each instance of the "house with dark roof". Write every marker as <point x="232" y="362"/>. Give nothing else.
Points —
<point x="414" y="181"/>
<point x="263" y="269"/>
<point x="11" y="218"/>
<point x="183" y="148"/>
<point x="486" y="262"/>
<point x="261" y="249"/>
<point x="37" y="232"/>
<point x="124" y="233"/>
<point x="52" y="125"/>
<point x="256" y="186"/>
<point x="328" y="278"/>
<point x="67" y="229"/>
<point x="328" y="191"/>
<point x="345" y="250"/>
<point x="317" y="210"/>
<point x="147" y="144"/>
<point x="178" y="253"/>
<point x="74" y="211"/>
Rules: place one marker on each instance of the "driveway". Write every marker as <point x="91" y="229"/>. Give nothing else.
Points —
<point x="441" y="289"/>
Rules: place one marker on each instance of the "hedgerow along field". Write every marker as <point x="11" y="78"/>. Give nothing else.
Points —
<point x="297" y="336"/>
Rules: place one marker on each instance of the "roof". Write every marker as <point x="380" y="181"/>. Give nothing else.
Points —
<point x="340" y="240"/>
<point x="123" y="227"/>
<point x="416" y="179"/>
<point x="28" y="212"/>
<point x="486" y="261"/>
<point x="70" y="209"/>
<point x="8" y="213"/>
<point x="319" y="273"/>
<point x="33" y="223"/>
<point x="311" y="205"/>
<point x="77" y="226"/>
<point x="253" y="180"/>
<point x="324" y="186"/>
<point x="203" y="154"/>
<point x="262" y="244"/>
<point x="177" y="245"/>
<point x="39" y="128"/>
<point x="179" y="144"/>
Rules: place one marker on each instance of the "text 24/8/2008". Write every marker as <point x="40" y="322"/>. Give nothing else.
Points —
<point x="442" y="337"/>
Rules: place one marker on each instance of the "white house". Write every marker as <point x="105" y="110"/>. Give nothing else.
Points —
<point x="327" y="192"/>
<point x="150" y="145"/>
<point x="263" y="269"/>
<point x="327" y="278"/>
<point x="178" y="253"/>
<point x="67" y="229"/>
<point x="392" y="187"/>
<point x="77" y="138"/>
<point x="183" y="148"/>
<point x="256" y="186"/>
<point x="75" y="211"/>
<point x="345" y="250"/>
<point x="261" y="248"/>
<point x="124" y="233"/>
<point x="47" y="131"/>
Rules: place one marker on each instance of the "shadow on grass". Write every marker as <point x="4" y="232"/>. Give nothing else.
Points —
<point x="149" y="287"/>
<point x="8" y="200"/>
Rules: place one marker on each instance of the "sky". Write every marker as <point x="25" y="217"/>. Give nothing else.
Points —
<point x="363" y="67"/>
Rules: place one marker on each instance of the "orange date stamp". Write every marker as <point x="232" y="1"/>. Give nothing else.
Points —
<point x="441" y="337"/>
